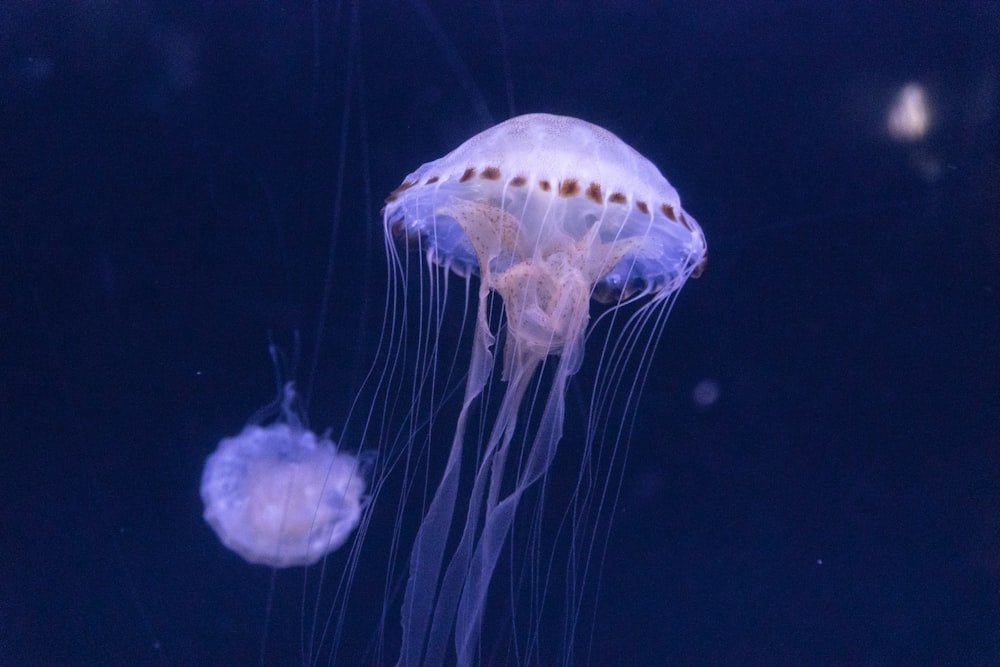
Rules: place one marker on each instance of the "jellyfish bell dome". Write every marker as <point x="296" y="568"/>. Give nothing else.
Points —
<point x="278" y="495"/>
<point x="540" y="184"/>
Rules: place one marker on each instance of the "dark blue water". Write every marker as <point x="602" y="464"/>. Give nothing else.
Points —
<point x="169" y="198"/>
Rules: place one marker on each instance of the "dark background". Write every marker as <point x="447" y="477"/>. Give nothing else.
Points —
<point x="169" y="198"/>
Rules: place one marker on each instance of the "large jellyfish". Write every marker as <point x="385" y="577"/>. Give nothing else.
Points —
<point x="549" y="213"/>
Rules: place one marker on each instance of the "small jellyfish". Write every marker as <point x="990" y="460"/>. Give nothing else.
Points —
<point x="279" y="496"/>
<point x="550" y="213"/>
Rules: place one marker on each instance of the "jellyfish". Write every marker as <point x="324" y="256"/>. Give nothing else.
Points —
<point x="549" y="214"/>
<point x="278" y="495"/>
